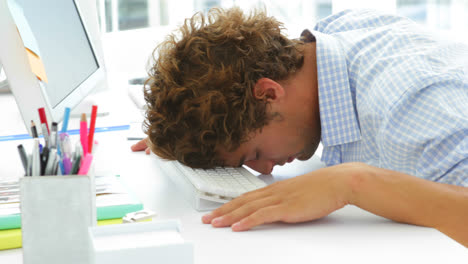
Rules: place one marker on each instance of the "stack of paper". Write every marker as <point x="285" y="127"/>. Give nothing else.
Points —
<point x="113" y="201"/>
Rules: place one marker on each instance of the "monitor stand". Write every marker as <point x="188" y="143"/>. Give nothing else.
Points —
<point x="4" y="86"/>
<point x="86" y="106"/>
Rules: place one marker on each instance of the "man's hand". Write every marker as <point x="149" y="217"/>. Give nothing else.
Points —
<point x="141" y="145"/>
<point x="390" y="194"/>
<point x="303" y="198"/>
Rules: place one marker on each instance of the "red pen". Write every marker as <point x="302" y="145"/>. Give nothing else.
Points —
<point x="84" y="134"/>
<point x="43" y="118"/>
<point x="92" y="126"/>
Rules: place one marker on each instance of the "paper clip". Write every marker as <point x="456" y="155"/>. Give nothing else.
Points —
<point x="138" y="216"/>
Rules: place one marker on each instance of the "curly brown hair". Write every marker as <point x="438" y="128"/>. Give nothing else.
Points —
<point x="200" y="91"/>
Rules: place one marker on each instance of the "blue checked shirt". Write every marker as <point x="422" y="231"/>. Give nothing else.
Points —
<point x="393" y="96"/>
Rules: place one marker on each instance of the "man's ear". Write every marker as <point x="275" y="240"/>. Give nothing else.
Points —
<point x="268" y="89"/>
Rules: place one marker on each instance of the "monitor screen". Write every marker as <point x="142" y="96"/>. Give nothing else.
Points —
<point x="54" y="36"/>
<point x="50" y="51"/>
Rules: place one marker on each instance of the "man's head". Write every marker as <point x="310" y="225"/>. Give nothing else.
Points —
<point x="202" y="99"/>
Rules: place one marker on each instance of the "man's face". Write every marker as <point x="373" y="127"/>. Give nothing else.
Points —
<point x="295" y="134"/>
<point x="277" y="143"/>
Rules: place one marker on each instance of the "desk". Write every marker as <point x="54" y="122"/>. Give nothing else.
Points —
<point x="349" y="235"/>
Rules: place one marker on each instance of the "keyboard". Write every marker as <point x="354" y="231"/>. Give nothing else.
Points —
<point x="208" y="189"/>
<point x="135" y="92"/>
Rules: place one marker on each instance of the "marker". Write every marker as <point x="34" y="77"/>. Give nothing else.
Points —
<point x="92" y="126"/>
<point x="66" y="116"/>
<point x="24" y="158"/>
<point x="43" y="118"/>
<point x="84" y="134"/>
<point x="54" y="135"/>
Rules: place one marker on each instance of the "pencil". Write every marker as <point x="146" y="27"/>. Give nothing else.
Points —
<point x="33" y="129"/>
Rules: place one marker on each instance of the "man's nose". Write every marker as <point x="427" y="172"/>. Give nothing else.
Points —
<point x="262" y="166"/>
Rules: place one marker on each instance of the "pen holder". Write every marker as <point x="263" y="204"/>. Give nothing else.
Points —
<point x="56" y="212"/>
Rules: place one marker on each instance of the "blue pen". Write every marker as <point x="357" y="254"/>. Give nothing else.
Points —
<point x="61" y="167"/>
<point x="66" y="116"/>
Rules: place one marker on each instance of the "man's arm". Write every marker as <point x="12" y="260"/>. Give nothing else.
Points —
<point x="412" y="200"/>
<point x="387" y="193"/>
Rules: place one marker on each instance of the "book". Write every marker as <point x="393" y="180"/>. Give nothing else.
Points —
<point x="11" y="238"/>
<point x="113" y="200"/>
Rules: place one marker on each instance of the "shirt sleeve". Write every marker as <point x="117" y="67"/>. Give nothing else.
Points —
<point x="426" y="133"/>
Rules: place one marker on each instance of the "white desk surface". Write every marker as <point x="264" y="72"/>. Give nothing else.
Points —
<point x="349" y="235"/>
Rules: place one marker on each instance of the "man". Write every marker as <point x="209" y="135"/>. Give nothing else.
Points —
<point x="388" y="101"/>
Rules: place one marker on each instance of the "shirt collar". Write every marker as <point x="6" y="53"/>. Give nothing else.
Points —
<point x="337" y="112"/>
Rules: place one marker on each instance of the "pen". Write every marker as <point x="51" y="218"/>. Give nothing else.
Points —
<point x="77" y="156"/>
<point x="65" y="144"/>
<point x="36" y="159"/>
<point x="24" y="158"/>
<point x="29" y="164"/>
<point x="45" y="133"/>
<point x="43" y="118"/>
<point x="67" y="165"/>
<point x="66" y="116"/>
<point x="76" y="166"/>
<point x="78" y="150"/>
<point x="44" y="158"/>
<point x="33" y="129"/>
<point x="92" y="126"/>
<point x="66" y="153"/>
<point x="56" y="168"/>
<point x="84" y="134"/>
<point x="51" y="162"/>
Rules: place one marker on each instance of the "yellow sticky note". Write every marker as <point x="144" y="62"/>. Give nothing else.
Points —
<point x="37" y="66"/>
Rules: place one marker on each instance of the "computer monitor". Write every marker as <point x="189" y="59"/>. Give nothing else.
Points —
<point x="51" y="54"/>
